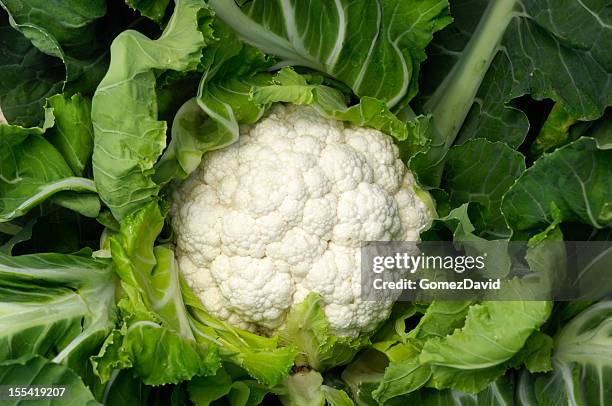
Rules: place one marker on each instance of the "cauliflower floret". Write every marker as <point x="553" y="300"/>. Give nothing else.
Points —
<point x="282" y="213"/>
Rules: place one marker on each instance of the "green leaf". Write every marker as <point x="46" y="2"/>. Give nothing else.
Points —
<point x="156" y="353"/>
<point x="58" y="306"/>
<point x="498" y="261"/>
<point x="24" y="234"/>
<point x="555" y="132"/>
<point x="72" y="134"/>
<point x="480" y="172"/>
<point x="261" y="357"/>
<point x="125" y="389"/>
<point x="308" y="329"/>
<point x="33" y="170"/>
<point x="381" y="62"/>
<point x="471" y="357"/>
<point x="247" y="393"/>
<point x="539" y="45"/>
<point x="205" y="390"/>
<point x="288" y="86"/>
<point x="302" y="389"/>
<point x="87" y="204"/>
<point x="28" y="77"/>
<point x="167" y="336"/>
<point x="128" y="137"/>
<point x="493" y="333"/>
<point x="537" y="351"/>
<point x="153" y="9"/>
<point x="405" y="373"/>
<point x="68" y="31"/>
<point x="484" y="60"/>
<point x="440" y="319"/>
<point x="401" y="377"/>
<point x="492" y="116"/>
<point x="536" y="39"/>
<point x="306" y="388"/>
<point x="210" y="121"/>
<point x="363" y="376"/>
<point x="498" y="393"/>
<point x="38" y="371"/>
<point x="575" y="178"/>
<point x="581" y="362"/>
<point x="156" y="338"/>
<point x="467" y="381"/>
<point x="336" y="397"/>
<point x="601" y="130"/>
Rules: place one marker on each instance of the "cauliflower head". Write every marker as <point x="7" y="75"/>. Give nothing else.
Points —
<point x="282" y="213"/>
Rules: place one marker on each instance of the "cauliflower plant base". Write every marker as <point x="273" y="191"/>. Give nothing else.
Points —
<point x="282" y="212"/>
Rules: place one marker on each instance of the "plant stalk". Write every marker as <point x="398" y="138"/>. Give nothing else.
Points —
<point x="453" y="99"/>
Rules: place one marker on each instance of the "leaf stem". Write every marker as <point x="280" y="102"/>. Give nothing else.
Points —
<point x="453" y="99"/>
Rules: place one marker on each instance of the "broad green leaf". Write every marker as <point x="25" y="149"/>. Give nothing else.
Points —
<point x="537" y="351"/>
<point x="535" y="39"/>
<point x="440" y="319"/>
<point x="28" y="77"/>
<point x="550" y="59"/>
<point x="363" y="376"/>
<point x="52" y="26"/>
<point x="87" y="204"/>
<point x="381" y="60"/>
<point x="601" y="130"/>
<point x="459" y="223"/>
<point x="480" y="172"/>
<point x="72" y="134"/>
<point x="493" y="333"/>
<point x="576" y="178"/>
<point x="512" y="48"/>
<point x="307" y="328"/>
<point x="32" y="170"/>
<point x="336" y="397"/>
<point x="128" y="137"/>
<point x="167" y="337"/>
<point x="72" y="33"/>
<point x="475" y="355"/>
<point x="58" y="306"/>
<point x="470" y="381"/>
<point x="156" y="337"/>
<point x="203" y="390"/>
<point x="38" y="371"/>
<point x="405" y="373"/>
<point x="125" y="389"/>
<point x="581" y="364"/>
<point x="492" y="116"/>
<point x="247" y="393"/>
<point x="156" y="354"/>
<point x="401" y="377"/>
<point x="498" y="393"/>
<point x="211" y="119"/>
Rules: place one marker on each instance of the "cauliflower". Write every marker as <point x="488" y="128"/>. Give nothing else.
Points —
<point x="282" y="213"/>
